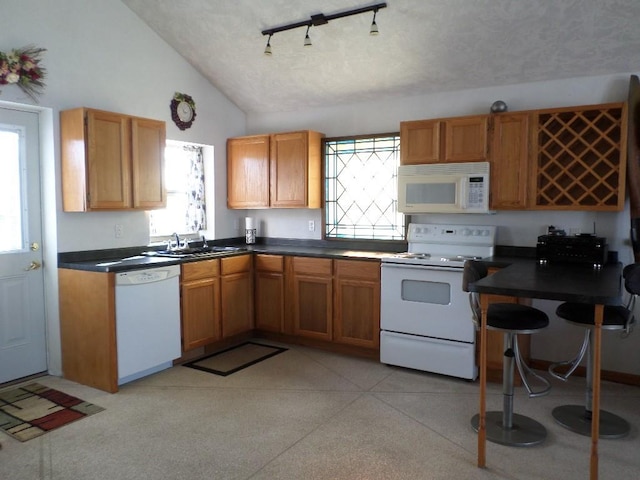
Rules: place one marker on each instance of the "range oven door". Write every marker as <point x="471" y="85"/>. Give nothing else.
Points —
<point x="426" y="301"/>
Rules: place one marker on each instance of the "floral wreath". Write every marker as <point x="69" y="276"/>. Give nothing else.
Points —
<point x="21" y="66"/>
<point x="177" y="98"/>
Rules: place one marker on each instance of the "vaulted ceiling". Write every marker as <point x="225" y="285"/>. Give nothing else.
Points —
<point x="424" y="46"/>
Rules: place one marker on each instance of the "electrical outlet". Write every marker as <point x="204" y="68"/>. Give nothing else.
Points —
<point x="312" y="226"/>
<point x="117" y="230"/>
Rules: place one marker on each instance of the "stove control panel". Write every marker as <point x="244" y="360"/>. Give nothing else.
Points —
<point x="460" y="234"/>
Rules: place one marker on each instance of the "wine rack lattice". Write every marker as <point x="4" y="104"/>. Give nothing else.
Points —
<point x="578" y="161"/>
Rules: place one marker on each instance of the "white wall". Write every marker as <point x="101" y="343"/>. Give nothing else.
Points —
<point x="100" y="55"/>
<point x="515" y="228"/>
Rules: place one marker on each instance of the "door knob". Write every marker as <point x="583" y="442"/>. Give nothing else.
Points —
<point x="33" y="266"/>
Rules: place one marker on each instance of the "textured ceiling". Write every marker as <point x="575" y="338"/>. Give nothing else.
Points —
<point x="424" y="46"/>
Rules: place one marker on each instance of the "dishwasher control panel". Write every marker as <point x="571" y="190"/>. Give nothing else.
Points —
<point x="137" y="277"/>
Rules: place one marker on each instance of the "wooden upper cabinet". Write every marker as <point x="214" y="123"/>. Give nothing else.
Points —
<point x="466" y="139"/>
<point x="282" y="170"/>
<point x="460" y="139"/>
<point x="509" y="159"/>
<point x="579" y="158"/>
<point x="111" y="161"/>
<point x="248" y="172"/>
<point x="147" y="162"/>
<point x="420" y="142"/>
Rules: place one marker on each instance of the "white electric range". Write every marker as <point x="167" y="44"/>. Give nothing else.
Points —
<point x="425" y="318"/>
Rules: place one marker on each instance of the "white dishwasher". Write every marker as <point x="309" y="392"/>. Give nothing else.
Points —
<point x="147" y="321"/>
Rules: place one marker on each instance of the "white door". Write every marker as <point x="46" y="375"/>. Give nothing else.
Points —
<point x="22" y="320"/>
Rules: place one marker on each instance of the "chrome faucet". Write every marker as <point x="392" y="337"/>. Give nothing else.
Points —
<point x="177" y="240"/>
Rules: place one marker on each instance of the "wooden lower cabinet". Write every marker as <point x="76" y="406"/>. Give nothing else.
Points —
<point x="200" y="303"/>
<point x="356" y="317"/>
<point x="236" y="288"/>
<point x="269" y="292"/>
<point x="88" y="328"/>
<point x="312" y="297"/>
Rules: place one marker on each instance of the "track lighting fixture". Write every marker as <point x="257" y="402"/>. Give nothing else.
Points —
<point x="374" y="26"/>
<point x="267" y="49"/>
<point x="307" y="40"/>
<point x="321" y="19"/>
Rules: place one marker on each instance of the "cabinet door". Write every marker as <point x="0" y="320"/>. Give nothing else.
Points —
<point x="200" y="312"/>
<point x="466" y="139"/>
<point x="108" y="160"/>
<point x="312" y="297"/>
<point x="237" y="294"/>
<point x="289" y="172"/>
<point x="248" y="172"/>
<point x="147" y="163"/>
<point x="357" y="305"/>
<point x="509" y="159"/>
<point x="237" y="308"/>
<point x="420" y="142"/>
<point x="269" y="293"/>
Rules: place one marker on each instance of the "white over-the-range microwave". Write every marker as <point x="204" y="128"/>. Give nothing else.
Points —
<point x="444" y="188"/>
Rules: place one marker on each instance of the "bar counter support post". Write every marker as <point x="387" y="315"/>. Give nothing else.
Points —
<point x="482" y="428"/>
<point x="595" y="417"/>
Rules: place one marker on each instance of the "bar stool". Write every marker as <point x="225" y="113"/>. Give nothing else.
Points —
<point x="505" y="427"/>
<point x="577" y="418"/>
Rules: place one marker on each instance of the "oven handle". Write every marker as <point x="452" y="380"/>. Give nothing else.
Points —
<point x="420" y="267"/>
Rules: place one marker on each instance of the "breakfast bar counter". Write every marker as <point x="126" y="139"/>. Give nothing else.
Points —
<point x="563" y="282"/>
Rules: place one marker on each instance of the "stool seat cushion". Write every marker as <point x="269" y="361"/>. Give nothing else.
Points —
<point x="515" y="317"/>
<point x="584" y="313"/>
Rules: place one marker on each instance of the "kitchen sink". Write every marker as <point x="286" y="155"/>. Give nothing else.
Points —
<point x="188" y="252"/>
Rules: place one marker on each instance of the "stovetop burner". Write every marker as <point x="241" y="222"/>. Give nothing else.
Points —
<point x="445" y="245"/>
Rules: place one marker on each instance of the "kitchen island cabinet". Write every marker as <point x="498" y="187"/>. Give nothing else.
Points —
<point x="200" y="303"/>
<point x="236" y="292"/>
<point x="111" y="161"/>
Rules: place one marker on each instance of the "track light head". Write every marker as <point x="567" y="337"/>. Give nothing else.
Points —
<point x="374" y="26"/>
<point x="267" y="49"/>
<point x="307" y="39"/>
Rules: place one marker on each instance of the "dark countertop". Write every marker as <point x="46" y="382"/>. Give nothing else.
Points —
<point x="125" y="259"/>
<point x="525" y="278"/>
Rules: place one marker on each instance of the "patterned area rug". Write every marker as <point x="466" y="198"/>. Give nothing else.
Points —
<point x="31" y="410"/>
<point x="236" y="358"/>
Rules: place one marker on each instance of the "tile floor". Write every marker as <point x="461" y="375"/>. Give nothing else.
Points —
<point x="308" y="414"/>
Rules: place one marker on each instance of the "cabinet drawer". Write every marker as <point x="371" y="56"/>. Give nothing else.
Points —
<point x="369" y="270"/>
<point x="312" y="266"/>
<point x="269" y="263"/>
<point x="241" y="263"/>
<point x="201" y="269"/>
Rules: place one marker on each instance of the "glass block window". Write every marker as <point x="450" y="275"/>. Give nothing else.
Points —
<point x="361" y="188"/>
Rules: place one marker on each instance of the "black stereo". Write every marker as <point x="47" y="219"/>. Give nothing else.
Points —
<point x="582" y="249"/>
